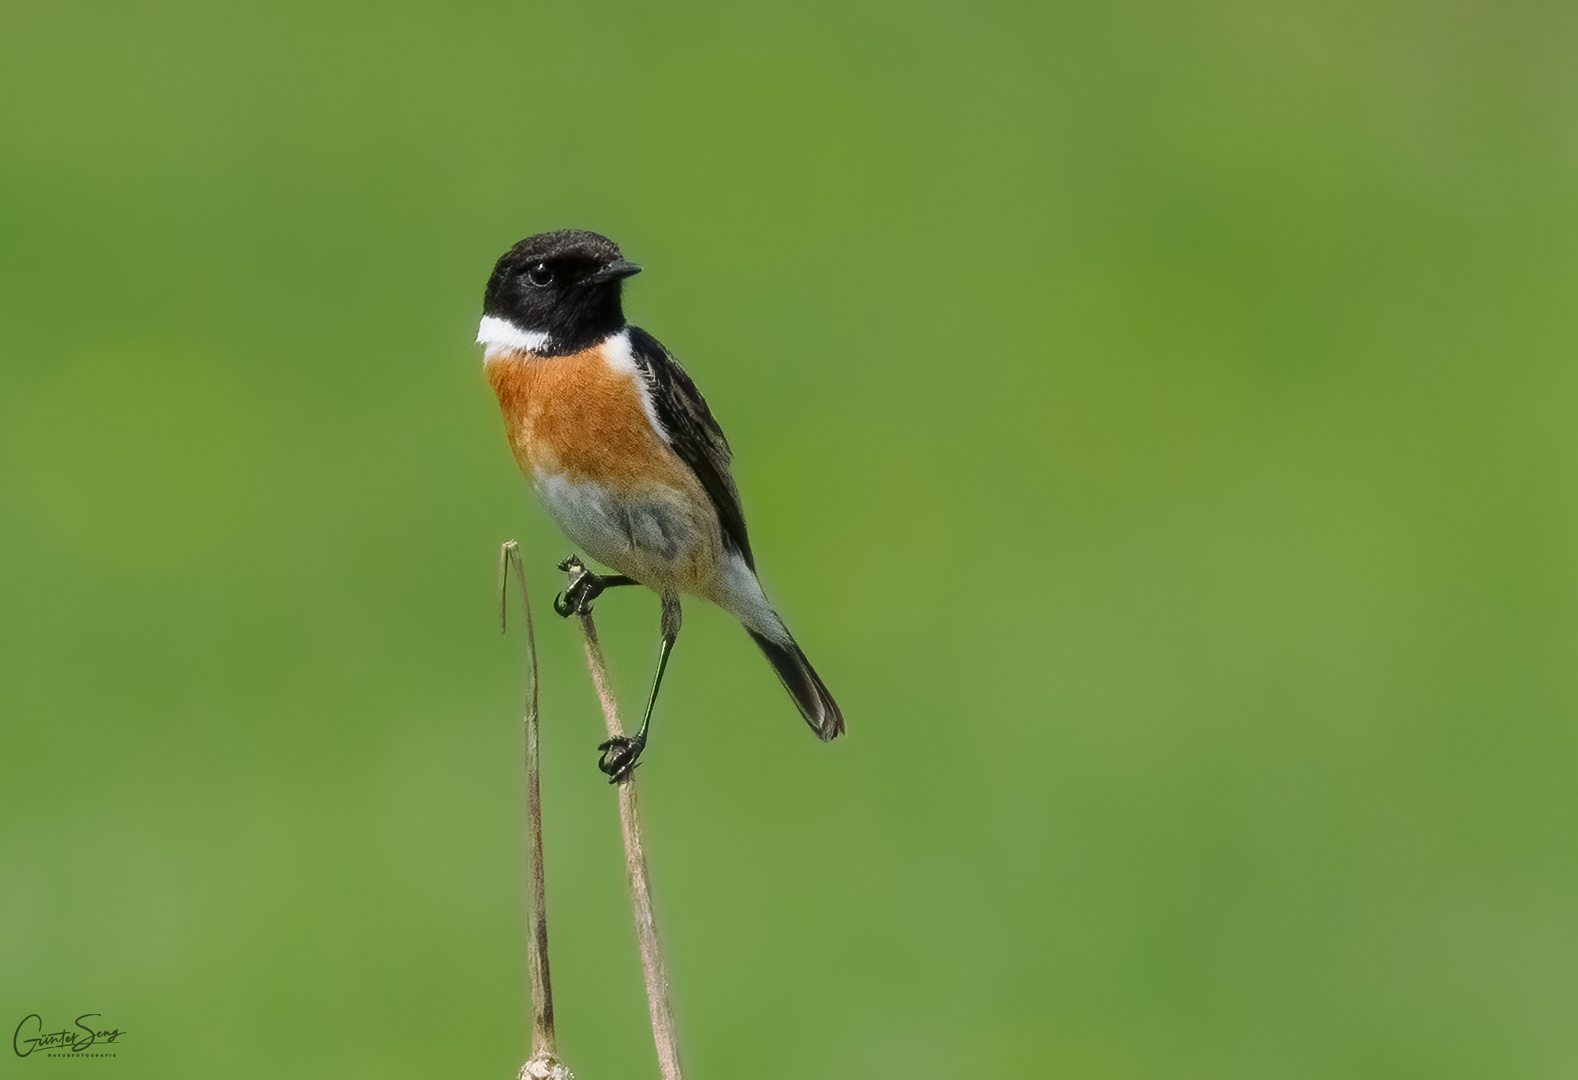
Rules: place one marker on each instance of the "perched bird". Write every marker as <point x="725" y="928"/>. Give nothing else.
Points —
<point x="625" y="455"/>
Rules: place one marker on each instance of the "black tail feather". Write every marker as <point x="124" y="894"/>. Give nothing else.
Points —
<point x="803" y="684"/>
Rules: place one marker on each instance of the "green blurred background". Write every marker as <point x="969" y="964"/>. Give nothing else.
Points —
<point x="1156" y="421"/>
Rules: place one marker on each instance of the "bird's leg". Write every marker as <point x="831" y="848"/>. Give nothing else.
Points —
<point x="584" y="587"/>
<point x="619" y="755"/>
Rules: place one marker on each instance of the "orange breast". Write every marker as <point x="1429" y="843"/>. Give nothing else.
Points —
<point x="577" y="415"/>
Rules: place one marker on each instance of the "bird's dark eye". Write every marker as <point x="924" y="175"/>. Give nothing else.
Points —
<point x="540" y="275"/>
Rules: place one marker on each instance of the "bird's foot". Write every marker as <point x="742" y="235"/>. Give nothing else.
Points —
<point x="584" y="587"/>
<point x="619" y="756"/>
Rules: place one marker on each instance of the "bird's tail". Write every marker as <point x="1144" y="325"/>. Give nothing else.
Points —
<point x="803" y="684"/>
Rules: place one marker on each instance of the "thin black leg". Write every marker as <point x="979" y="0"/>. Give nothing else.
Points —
<point x="620" y="755"/>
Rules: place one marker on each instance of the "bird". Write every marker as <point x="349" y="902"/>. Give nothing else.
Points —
<point x="626" y="457"/>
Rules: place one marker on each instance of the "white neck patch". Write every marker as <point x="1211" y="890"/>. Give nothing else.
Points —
<point x="496" y="333"/>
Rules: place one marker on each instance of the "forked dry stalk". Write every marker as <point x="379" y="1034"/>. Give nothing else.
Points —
<point x="544" y="1063"/>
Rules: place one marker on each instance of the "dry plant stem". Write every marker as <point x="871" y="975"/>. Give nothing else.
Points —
<point x="636" y="871"/>
<point x="544" y="1062"/>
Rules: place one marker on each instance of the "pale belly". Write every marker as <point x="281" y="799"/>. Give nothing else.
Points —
<point x="662" y="537"/>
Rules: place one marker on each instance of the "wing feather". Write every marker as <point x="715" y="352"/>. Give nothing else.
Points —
<point x="694" y="435"/>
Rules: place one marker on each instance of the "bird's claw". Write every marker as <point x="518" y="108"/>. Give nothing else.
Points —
<point x="584" y="587"/>
<point x="619" y="756"/>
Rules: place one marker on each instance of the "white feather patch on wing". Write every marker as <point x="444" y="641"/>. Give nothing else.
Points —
<point x="497" y="333"/>
<point x="620" y="357"/>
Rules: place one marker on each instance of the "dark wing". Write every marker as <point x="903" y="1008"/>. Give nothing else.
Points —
<point x="693" y="434"/>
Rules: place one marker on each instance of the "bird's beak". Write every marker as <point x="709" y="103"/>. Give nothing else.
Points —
<point x="613" y="271"/>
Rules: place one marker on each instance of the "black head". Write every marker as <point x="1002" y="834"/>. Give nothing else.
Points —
<point x="564" y="285"/>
